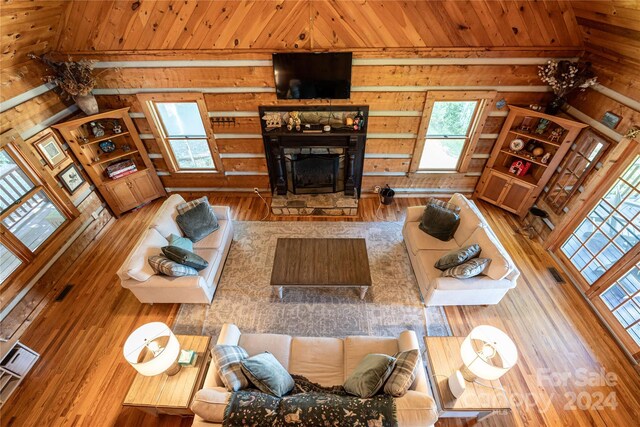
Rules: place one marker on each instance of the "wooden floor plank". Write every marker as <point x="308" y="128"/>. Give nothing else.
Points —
<point x="82" y="378"/>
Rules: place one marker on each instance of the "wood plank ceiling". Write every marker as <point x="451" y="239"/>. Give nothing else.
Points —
<point x="290" y="24"/>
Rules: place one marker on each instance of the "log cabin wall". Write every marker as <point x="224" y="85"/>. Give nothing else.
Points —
<point x="28" y="107"/>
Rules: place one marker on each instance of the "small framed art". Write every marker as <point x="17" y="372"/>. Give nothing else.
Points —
<point x="71" y="178"/>
<point x="50" y="149"/>
<point x="610" y="120"/>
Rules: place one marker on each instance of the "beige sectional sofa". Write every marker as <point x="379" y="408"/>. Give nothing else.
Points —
<point x="327" y="361"/>
<point x="137" y="275"/>
<point x="425" y="250"/>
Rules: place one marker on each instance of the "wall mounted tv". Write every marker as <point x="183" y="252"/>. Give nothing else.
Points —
<point x="312" y="75"/>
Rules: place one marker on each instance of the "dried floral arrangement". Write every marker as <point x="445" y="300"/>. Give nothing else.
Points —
<point x="566" y="76"/>
<point x="74" y="78"/>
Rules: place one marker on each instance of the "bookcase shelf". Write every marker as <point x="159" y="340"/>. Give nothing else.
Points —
<point x="15" y="363"/>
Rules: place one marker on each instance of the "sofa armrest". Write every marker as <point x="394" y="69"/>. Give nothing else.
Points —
<point x="166" y="282"/>
<point x="210" y="403"/>
<point x="414" y="214"/>
<point x="229" y="335"/>
<point x="408" y="340"/>
<point x="222" y="212"/>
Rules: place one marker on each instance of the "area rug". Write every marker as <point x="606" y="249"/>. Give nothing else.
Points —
<point x="245" y="297"/>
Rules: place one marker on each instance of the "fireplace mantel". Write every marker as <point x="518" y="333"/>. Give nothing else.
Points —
<point x="277" y="140"/>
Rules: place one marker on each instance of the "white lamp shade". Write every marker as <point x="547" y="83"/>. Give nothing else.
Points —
<point x="488" y="353"/>
<point x="138" y="349"/>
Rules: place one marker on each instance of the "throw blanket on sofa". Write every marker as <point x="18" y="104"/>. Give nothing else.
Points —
<point x="309" y="404"/>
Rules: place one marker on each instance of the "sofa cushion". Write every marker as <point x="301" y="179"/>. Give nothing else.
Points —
<point x="418" y="240"/>
<point x="163" y="265"/>
<point x="370" y="374"/>
<point x="501" y="264"/>
<point x="184" y="207"/>
<point x="415" y="409"/>
<point x="210" y="403"/>
<point x="181" y="242"/>
<point x="320" y="360"/>
<point x="185" y="257"/>
<point x="213" y="240"/>
<point x="472" y="268"/>
<point x="470" y="219"/>
<point x="198" y="222"/>
<point x="165" y="219"/>
<point x="137" y="266"/>
<point x="356" y="348"/>
<point x="227" y="359"/>
<point x="457" y="257"/>
<point x="265" y="372"/>
<point x="439" y="220"/>
<point x="403" y="374"/>
<point x="276" y="344"/>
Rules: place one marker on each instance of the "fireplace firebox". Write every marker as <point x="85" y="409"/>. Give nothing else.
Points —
<point x="314" y="173"/>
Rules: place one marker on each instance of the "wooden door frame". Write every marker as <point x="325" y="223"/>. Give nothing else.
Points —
<point x="154" y="121"/>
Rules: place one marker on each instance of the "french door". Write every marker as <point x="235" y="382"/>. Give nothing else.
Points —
<point x="604" y="251"/>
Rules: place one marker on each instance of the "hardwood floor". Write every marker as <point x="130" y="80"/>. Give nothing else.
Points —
<point x="82" y="378"/>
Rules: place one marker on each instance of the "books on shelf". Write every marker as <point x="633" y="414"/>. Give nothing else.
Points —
<point x="121" y="168"/>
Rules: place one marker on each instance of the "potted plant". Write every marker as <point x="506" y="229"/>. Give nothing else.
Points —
<point x="565" y="77"/>
<point x="76" y="79"/>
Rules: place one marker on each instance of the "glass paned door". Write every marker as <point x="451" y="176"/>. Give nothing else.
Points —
<point x="8" y="263"/>
<point x="623" y="300"/>
<point x="610" y="230"/>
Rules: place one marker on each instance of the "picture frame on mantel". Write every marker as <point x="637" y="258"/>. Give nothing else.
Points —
<point x="71" y="178"/>
<point x="50" y="149"/>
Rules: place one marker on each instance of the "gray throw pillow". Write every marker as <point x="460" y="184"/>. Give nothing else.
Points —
<point x="265" y="372"/>
<point x="227" y="359"/>
<point x="439" y="220"/>
<point x="185" y="257"/>
<point x="163" y="265"/>
<point x="181" y="242"/>
<point x="469" y="269"/>
<point x="370" y="374"/>
<point x="403" y="374"/>
<point x="455" y="258"/>
<point x="198" y="222"/>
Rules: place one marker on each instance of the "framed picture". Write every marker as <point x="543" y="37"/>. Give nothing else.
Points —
<point x="610" y="120"/>
<point x="50" y="149"/>
<point x="71" y="178"/>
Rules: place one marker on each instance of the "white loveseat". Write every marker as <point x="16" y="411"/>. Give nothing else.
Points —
<point x="424" y="250"/>
<point x="137" y="275"/>
<point x="328" y="362"/>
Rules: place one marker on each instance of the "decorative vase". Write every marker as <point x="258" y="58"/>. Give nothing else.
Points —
<point x="87" y="103"/>
<point x="555" y="105"/>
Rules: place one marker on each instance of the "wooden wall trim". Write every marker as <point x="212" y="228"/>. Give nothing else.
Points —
<point x="26" y="96"/>
<point x="49" y="121"/>
<point x="617" y="96"/>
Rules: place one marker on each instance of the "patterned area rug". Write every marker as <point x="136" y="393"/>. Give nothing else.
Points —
<point x="245" y="297"/>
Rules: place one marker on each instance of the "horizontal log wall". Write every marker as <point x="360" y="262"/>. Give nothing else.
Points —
<point x="395" y="91"/>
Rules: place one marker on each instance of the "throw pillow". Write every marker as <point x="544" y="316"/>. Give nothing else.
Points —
<point x="227" y="359"/>
<point x="403" y="374"/>
<point x="184" y="207"/>
<point x="198" y="222"/>
<point x="163" y="265"/>
<point x="455" y="258"/>
<point x="265" y="372"/>
<point x="447" y="205"/>
<point x="439" y="221"/>
<point x="185" y="257"/>
<point x="370" y="374"/>
<point x="469" y="269"/>
<point x="181" y="242"/>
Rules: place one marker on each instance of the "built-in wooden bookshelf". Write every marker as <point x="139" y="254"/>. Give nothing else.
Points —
<point x="140" y="184"/>
<point x="546" y="141"/>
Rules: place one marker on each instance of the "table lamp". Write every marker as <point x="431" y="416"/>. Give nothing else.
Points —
<point x="487" y="353"/>
<point x="153" y="349"/>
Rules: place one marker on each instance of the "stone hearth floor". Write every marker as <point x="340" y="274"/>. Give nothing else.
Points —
<point x="332" y="204"/>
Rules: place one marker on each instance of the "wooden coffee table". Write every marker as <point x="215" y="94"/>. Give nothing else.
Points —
<point x="321" y="263"/>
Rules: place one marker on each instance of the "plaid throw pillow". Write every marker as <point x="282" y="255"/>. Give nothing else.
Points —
<point x="403" y="374"/>
<point x="471" y="268"/>
<point x="448" y="206"/>
<point x="184" y="207"/>
<point x="163" y="265"/>
<point x="227" y="359"/>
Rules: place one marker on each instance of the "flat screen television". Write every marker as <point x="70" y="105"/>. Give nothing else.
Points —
<point x="312" y="75"/>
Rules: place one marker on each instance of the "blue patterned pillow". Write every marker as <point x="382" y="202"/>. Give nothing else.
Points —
<point x="266" y="373"/>
<point x="163" y="265"/>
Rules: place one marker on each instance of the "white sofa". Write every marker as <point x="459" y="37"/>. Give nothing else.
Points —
<point x="424" y="250"/>
<point x="137" y="275"/>
<point x="328" y="362"/>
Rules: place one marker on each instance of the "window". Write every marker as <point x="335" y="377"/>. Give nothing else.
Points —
<point x="623" y="301"/>
<point x="610" y="230"/>
<point x="179" y="122"/>
<point x="451" y="130"/>
<point x="28" y="216"/>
